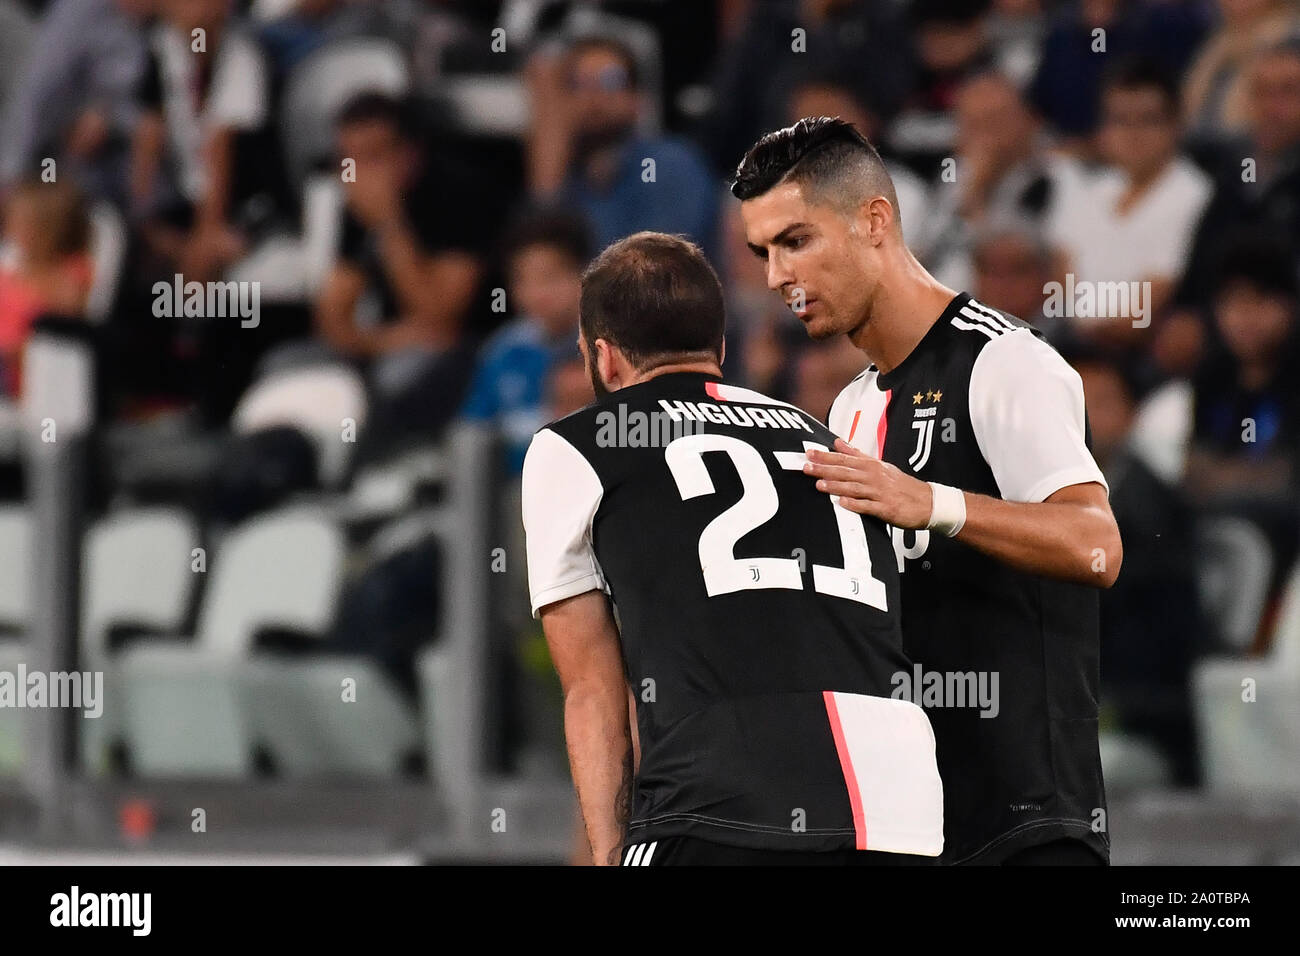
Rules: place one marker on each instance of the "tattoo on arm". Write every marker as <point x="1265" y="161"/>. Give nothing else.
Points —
<point x="623" y="804"/>
<point x="622" y="809"/>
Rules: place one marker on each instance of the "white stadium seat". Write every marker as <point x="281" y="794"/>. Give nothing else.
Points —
<point x="186" y="704"/>
<point x="315" y="398"/>
<point x="1235" y="567"/>
<point x="15" y="585"/>
<point x="1248" y="746"/>
<point x="1253" y="746"/>
<point x="15" y="566"/>
<point x="1130" y="763"/>
<point x="137" y="570"/>
<point x="309" y="729"/>
<point x="11" y="722"/>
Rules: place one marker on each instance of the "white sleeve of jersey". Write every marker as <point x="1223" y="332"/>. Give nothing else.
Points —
<point x="1026" y="409"/>
<point x="561" y="493"/>
<point x="837" y="417"/>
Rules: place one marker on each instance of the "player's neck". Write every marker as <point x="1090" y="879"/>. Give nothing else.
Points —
<point x="899" y="315"/>
<point x="703" y="368"/>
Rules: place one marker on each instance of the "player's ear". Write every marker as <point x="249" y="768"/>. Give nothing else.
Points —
<point x="606" y="366"/>
<point x="722" y="351"/>
<point x="880" y="215"/>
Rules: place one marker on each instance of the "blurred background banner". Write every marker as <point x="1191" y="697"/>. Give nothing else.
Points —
<point x="286" y="287"/>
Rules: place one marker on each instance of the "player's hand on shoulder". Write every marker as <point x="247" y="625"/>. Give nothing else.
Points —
<point x="868" y="486"/>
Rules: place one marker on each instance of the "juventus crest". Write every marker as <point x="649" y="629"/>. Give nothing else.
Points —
<point x="923" y="420"/>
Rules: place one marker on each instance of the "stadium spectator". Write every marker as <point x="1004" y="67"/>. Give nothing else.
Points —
<point x="413" y="249"/>
<point x="545" y="256"/>
<point x="1150" y="632"/>
<point x="1133" y="221"/>
<point x="1246" y="432"/>
<point x="1004" y="169"/>
<point x="205" y="101"/>
<point x="1217" y="88"/>
<point x="411" y="238"/>
<point x="584" y="148"/>
<point x="1085" y="37"/>
<point x="951" y="45"/>
<point x="1012" y="264"/>
<point x="75" y="101"/>
<point x="47" y="268"/>
<point x="865" y="39"/>
<point x="1258" y="180"/>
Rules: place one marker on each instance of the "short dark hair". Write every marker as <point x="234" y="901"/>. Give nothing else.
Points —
<point x="828" y="156"/>
<point x="958" y="12"/>
<point x="1264" y="260"/>
<point x="373" y="106"/>
<point x="1143" y="73"/>
<point x="612" y="44"/>
<point x="558" y="229"/>
<point x="656" y="297"/>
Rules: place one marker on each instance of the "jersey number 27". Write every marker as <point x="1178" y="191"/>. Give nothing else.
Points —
<point x="759" y="502"/>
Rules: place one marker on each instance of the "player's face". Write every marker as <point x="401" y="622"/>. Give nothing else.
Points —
<point x="815" y="256"/>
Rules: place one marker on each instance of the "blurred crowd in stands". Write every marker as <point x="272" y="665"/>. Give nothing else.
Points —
<point x="417" y="186"/>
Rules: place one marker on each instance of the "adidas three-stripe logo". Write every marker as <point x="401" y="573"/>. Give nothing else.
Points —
<point x="639" y="854"/>
<point x="980" y="318"/>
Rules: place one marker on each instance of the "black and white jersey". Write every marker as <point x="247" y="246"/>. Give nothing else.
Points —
<point x="1007" y="661"/>
<point x="758" y="619"/>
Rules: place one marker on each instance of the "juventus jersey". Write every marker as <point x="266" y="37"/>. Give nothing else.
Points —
<point x="984" y="404"/>
<point x="759" y="620"/>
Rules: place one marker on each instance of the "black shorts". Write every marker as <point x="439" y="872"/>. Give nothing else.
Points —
<point x="1064" y="852"/>
<point x="690" y="851"/>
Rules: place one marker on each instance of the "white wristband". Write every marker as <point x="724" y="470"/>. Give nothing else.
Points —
<point x="948" y="509"/>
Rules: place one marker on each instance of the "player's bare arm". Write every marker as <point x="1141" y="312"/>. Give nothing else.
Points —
<point x="1072" y="535"/>
<point x="583" y="640"/>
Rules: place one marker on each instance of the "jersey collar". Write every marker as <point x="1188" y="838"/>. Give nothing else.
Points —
<point x="887" y="380"/>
